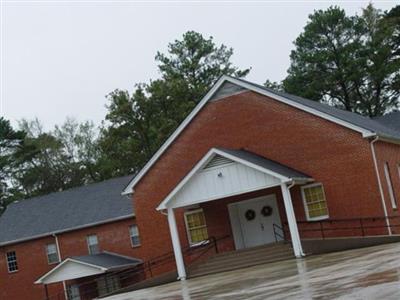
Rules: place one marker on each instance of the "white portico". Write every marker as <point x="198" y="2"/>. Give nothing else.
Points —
<point x="223" y="173"/>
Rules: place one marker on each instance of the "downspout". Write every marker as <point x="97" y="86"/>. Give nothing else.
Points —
<point x="380" y="184"/>
<point x="60" y="259"/>
<point x="58" y="247"/>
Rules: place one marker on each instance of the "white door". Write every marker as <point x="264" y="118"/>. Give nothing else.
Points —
<point x="256" y="219"/>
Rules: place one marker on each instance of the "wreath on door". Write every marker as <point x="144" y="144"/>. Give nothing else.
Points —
<point x="250" y="215"/>
<point x="266" y="211"/>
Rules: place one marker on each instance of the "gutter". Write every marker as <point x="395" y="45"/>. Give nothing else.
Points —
<point x="52" y="233"/>
<point x="372" y="143"/>
<point x="58" y="247"/>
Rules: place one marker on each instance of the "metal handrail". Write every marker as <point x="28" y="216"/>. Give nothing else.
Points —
<point x="278" y="234"/>
<point x="363" y="225"/>
<point x="147" y="267"/>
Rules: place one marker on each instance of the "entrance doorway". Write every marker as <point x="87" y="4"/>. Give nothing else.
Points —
<point x="252" y="221"/>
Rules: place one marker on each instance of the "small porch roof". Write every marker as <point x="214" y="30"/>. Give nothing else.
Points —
<point x="202" y="186"/>
<point x="87" y="265"/>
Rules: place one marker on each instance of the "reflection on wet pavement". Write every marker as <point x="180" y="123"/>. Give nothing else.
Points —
<point x="368" y="273"/>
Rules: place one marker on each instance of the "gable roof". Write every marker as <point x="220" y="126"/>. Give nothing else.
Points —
<point x="72" y="209"/>
<point x="264" y="165"/>
<point x="107" y="260"/>
<point x="366" y="126"/>
<point x="355" y="119"/>
<point x="97" y="264"/>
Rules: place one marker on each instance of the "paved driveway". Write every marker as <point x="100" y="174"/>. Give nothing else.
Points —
<point x="369" y="273"/>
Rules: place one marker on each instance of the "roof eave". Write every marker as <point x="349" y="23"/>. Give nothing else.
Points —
<point x="389" y="139"/>
<point x="65" y="230"/>
<point x="43" y="278"/>
<point x="129" y="188"/>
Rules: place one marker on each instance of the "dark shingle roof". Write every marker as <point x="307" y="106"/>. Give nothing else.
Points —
<point x="373" y="125"/>
<point x="391" y="120"/>
<point x="266" y="163"/>
<point x="108" y="260"/>
<point x="73" y="208"/>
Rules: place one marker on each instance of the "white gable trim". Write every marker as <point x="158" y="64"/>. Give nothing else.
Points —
<point x="204" y="161"/>
<point x="68" y="260"/>
<point x="129" y="188"/>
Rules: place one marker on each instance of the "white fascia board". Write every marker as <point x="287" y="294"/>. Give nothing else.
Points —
<point x="363" y="131"/>
<point x="41" y="279"/>
<point x="210" y="154"/>
<point x="387" y="139"/>
<point x="227" y="195"/>
<point x="177" y="188"/>
<point x="129" y="188"/>
<point x="35" y="237"/>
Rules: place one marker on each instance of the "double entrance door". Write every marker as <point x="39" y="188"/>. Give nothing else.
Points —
<point x="252" y="221"/>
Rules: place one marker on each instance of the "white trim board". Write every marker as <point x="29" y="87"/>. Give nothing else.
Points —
<point x="52" y="233"/>
<point x="129" y="189"/>
<point x="204" y="161"/>
<point x="43" y="278"/>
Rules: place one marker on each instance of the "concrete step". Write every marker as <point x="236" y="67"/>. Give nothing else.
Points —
<point x="270" y="247"/>
<point x="247" y="256"/>
<point x="226" y="268"/>
<point x="240" y="259"/>
<point x="240" y="262"/>
<point x="258" y="252"/>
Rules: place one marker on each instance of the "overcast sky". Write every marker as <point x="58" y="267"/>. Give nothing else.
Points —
<point x="60" y="59"/>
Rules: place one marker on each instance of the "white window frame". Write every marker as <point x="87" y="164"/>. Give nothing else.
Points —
<point x="131" y="235"/>
<point x="189" y="212"/>
<point x="303" y="195"/>
<point x="15" y="260"/>
<point x="48" y="253"/>
<point x="390" y="185"/>
<point x="88" y="244"/>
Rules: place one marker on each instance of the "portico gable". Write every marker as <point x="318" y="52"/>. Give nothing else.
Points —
<point x="223" y="173"/>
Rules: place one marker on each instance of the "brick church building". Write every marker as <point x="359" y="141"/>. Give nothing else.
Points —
<point x="248" y="167"/>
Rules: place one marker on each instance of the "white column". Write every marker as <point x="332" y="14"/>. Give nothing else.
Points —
<point x="176" y="244"/>
<point x="294" y="231"/>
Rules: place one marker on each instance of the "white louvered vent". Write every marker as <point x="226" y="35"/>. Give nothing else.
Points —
<point x="218" y="160"/>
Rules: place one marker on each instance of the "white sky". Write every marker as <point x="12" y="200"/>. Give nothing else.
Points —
<point x="60" y="58"/>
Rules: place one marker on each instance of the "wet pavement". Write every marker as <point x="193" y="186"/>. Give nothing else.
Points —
<point x="368" y="273"/>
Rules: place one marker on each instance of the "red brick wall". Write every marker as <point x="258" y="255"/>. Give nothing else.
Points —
<point x="32" y="259"/>
<point x="390" y="153"/>
<point x="336" y="156"/>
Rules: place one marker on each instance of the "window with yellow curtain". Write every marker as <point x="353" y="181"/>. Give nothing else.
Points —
<point x="196" y="226"/>
<point x="315" y="202"/>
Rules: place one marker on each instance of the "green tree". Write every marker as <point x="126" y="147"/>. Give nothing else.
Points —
<point x="348" y="61"/>
<point x="10" y="141"/>
<point x="54" y="161"/>
<point x="137" y="124"/>
<point x="277" y="86"/>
